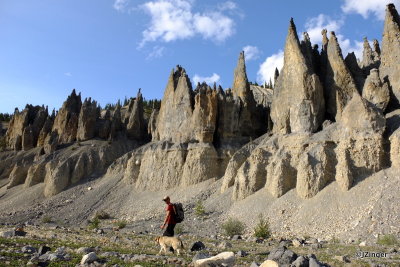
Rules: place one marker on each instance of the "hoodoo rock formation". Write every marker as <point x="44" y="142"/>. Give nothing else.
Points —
<point x="194" y="133"/>
<point x="390" y="68"/>
<point x="52" y="157"/>
<point x="324" y="121"/>
<point x="298" y="101"/>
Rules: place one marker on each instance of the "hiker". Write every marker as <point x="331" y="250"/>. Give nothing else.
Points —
<point x="169" y="220"/>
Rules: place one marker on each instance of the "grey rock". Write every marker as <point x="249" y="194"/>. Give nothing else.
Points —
<point x="198" y="245"/>
<point x="282" y="256"/>
<point x="89" y="258"/>
<point x="200" y="255"/>
<point x="84" y="250"/>
<point x="28" y="249"/>
<point x="301" y="261"/>
<point x="241" y="253"/>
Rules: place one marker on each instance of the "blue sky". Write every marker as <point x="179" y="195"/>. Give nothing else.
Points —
<point x="107" y="49"/>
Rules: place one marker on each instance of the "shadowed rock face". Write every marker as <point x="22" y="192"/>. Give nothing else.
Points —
<point x="390" y="56"/>
<point x="67" y="119"/>
<point x="176" y="110"/>
<point x="25" y="126"/>
<point x="136" y="128"/>
<point x="298" y="103"/>
<point x="339" y="83"/>
<point x="87" y="120"/>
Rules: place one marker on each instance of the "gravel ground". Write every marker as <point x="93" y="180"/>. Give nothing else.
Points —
<point x="367" y="211"/>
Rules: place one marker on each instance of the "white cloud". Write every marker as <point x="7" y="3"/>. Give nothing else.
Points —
<point x="209" y="80"/>
<point x="157" y="52"/>
<point x="314" y="27"/>
<point x="173" y="20"/>
<point x="68" y="74"/>
<point x="121" y="5"/>
<point x="228" y="5"/>
<point x="367" y="7"/>
<point x="267" y="68"/>
<point x="251" y="52"/>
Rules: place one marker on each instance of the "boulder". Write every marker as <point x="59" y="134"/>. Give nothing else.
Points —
<point x="225" y="259"/>
<point x="89" y="258"/>
<point x="198" y="245"/>
<point x="269" y="263"/>
<point x="282" y="256"/>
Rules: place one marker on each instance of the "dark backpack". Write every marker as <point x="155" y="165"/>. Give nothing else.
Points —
<point x="179" y="213"/>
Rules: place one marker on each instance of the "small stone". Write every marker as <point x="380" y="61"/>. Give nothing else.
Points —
<point x="89" y="258"/>
<point x="363" y="244"/>
<point x="242" y="253"/>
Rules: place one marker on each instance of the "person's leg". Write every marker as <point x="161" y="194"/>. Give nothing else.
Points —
<point x="169" y="231"/>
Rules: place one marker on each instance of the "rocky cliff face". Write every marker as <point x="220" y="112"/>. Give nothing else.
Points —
<point x="301" y="156"/>
<point x="194" y="133"/>
<point x="389" y="68"/>
<point x="298" y="101"/>
<point x="323" y="122"/>
<point x="50" y="154"/>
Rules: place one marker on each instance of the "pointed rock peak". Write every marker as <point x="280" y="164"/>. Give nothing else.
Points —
<point x="306" y="37"/>
<point x="139" y="96"/>
<point x="325" y="39"/>
<point x="334" y="43"/>
<point x="276" y="75"/>
<point x="391" y="13"/>
<point x="292" y="30"/>
<point x="366" y="43"/>
<point x="377" y="49"/>
<point x="241" y="86"/>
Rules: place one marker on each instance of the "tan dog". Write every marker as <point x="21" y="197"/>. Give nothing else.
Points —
<point x="169" y="241"/>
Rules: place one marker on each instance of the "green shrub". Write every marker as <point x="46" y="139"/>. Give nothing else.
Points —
<point x="233" y="227"/>
<point x="94" y="224"/>
<point x="120" y="224"/>
<point x="262" y="228"/>
<point x="199" y="209"/>
<point x="102" y="215"/>
<point x="46" y="219"/>
<point x="388" y="240"/>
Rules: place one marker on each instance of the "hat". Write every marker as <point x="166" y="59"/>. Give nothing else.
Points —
<point x="165" y="198"/>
